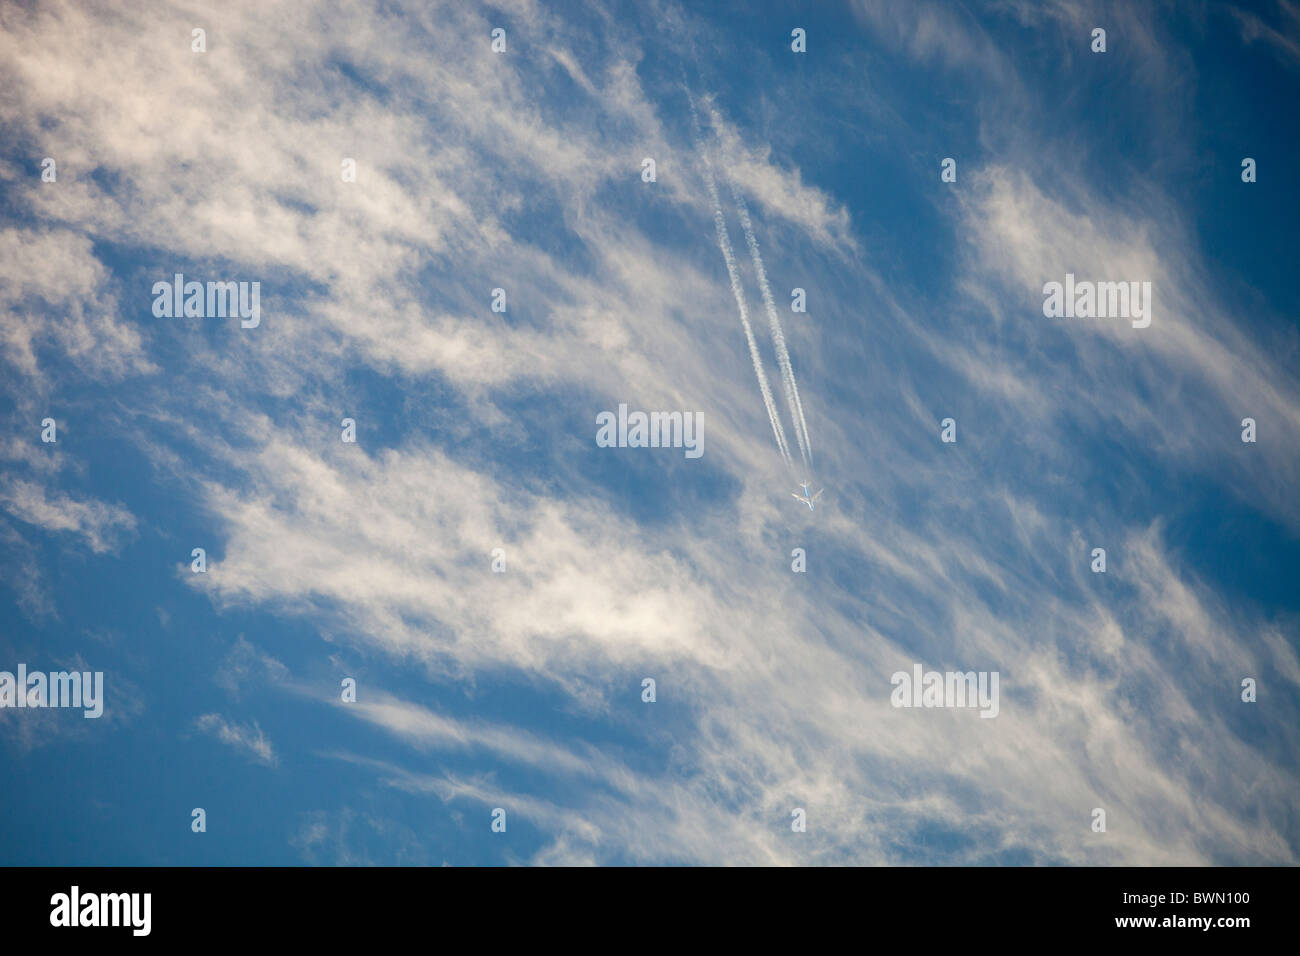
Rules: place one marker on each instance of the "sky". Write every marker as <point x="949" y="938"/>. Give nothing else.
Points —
<point x="772" y="632"/>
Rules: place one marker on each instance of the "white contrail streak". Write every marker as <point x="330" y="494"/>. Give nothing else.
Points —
<point x="729" y="257"/>
<point x="778" y="336"/>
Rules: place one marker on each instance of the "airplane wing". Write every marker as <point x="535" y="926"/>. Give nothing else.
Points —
<point x="796" y="497"/>
<point x="818" y="495"/>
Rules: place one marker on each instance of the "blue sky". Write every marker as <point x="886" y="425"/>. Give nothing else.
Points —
<point x="476" y="430"/>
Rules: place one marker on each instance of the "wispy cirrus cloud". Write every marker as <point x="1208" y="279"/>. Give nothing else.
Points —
<point x="1283" y="37"/>
<point x="247" y="738"/>
<point x="101" y="525"/>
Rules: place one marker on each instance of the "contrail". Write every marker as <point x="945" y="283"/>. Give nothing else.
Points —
<point x="778" y="336"/>
<point x="729" y="257"/>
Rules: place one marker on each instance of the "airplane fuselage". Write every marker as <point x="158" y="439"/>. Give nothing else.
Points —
<point x="807" y="498"/>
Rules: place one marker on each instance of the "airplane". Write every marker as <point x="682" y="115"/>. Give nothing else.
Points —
<point x="805" y="498"/>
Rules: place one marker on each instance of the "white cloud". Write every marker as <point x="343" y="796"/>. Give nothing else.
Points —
<point x="102" y="525"/>
<point x="243" y="737"/>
